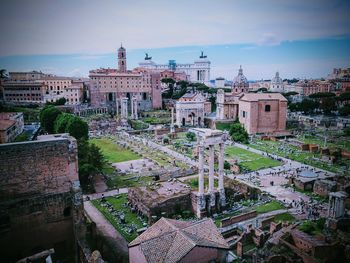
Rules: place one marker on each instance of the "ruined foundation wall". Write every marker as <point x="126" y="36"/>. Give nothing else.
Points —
<point x="37" y="203"/>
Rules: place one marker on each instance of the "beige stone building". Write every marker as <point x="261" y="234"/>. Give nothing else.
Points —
<point x="263" y="113"/>
<point x="109" y="86"/>
<point x="37" y="87"/>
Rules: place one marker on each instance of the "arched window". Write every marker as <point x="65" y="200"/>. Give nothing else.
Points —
<point x="267" y="108"/>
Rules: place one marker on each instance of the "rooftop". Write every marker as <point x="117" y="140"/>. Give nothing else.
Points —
<point x="170" y="240"/>
<point x="262" y="96"/>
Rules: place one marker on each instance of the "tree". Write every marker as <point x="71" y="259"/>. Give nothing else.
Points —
<point x="238" y="133"/>
<point x="319" y="95"/>
<point x="227" y="165"/>
<point x="191" y="136"/>
<point x="345" y="110"/>
<point x="48" y="116"/>
<point x="61" y="122"/>
<point x="347" y="131"/>
<point x="77" y="128"/>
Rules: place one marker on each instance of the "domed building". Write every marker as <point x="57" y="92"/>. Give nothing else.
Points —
<point x="276" y="84"/>
<point x="240" y="83"/>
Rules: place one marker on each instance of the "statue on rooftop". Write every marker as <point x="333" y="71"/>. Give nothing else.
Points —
<point x="147" y="57"/>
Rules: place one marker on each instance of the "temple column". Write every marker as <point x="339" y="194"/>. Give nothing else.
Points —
<point x="221" y="174"/>
<point x="116" y="104"/>
<point x="200" y="197"/>
<point x="132" y="108"/>
<point x="200" y="169"/>
<point x="172" y="129"/>
<point x="211" y="168"/>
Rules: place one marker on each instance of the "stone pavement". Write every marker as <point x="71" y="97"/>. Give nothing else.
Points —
<point x="106" y="229"/>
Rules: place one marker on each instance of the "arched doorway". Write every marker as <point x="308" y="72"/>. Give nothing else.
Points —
<point x="199" y="121"/>
<point x="183" y="121"/>
<point x="192" y="118"/>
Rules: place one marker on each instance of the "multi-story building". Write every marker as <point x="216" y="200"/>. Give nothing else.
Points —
<point x="37" y="87"/>
<point x="240" y="83"/>
<point x="199" y="71"/>
<point x="108" y="86"/>
<point x="11" y="125"/>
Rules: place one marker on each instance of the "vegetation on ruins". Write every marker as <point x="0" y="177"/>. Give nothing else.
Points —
<point x="191" y="136"/>
<point x="238" y="133"/>
<point x="60" y="101"/>
<point x="90" y="158"/>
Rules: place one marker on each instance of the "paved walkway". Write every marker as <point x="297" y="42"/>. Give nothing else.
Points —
<point x="105" y="194"/>
<point x="107" y="230"/>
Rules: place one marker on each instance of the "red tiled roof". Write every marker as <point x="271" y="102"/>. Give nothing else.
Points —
<point x="170" y="240"/>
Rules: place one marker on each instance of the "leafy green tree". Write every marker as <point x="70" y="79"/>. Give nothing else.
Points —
<point x="227" y="165"/>
<point x="345" y="110"/>
<point x="319" y="95"/>
<point x="77" y="128"/>
<point x="238" y="133"/>
<point x="191" y="136"/>
<point x="344" y="96"/>
<point x="347" y="131"/>
<point x="48" y="116"/>
<point x="61" y="122"/>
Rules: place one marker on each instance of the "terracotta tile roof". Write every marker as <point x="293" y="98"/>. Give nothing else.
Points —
<point x="170" y="240"/>
<point x="262" y="96"/>
<point x="5" y="124"/>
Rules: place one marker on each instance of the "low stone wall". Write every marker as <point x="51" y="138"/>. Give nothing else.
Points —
<point x="235" y="219"/>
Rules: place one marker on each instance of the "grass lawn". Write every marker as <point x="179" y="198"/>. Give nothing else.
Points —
<point x="249" y="160"/>
<point x="112" y="152"/>
<point x="271" y="206"/>
<point x="130" y="218"/>
<point x="296" y="155"/>
<point x="122" y="181"/>
<point x="313" y="227"/>
<point x="193" y="182"/>
<point x="285" y="217"/>
<point x="223" y="126"/>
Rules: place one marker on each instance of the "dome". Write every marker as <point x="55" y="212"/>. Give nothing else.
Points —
<point x="277" y="79"/>
<point x="240" y="78"/>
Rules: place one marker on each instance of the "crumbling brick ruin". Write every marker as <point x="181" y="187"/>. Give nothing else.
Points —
<point x="40" y="198"/>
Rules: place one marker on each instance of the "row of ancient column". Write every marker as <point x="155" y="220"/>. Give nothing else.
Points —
<point x="87" y="112"/>
<point x="124" y="107"/>
<point x="211" y="168"/>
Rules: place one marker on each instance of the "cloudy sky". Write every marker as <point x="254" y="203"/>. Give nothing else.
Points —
<point x="69" y="37"/>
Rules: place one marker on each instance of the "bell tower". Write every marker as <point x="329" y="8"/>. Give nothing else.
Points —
<point x="121" y="59"/>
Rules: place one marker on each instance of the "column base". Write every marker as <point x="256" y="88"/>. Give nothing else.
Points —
<point x="222" y="198"/>
<point x="200" y="206"/>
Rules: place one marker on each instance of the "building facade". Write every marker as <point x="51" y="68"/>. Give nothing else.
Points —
<point x="198" y="71"/>
<point x="109" y="86"/>
<point x="37" y="87"/>
<point x="191" y="109"/>
<point x="263" y="113"/>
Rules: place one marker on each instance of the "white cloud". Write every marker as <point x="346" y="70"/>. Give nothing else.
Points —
<point x="97" y="27"/>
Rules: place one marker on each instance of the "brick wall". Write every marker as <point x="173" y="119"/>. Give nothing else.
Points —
<point x="37" y="201"/>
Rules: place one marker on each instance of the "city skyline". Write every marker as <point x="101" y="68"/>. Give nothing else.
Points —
<point x="303" y="40"/>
